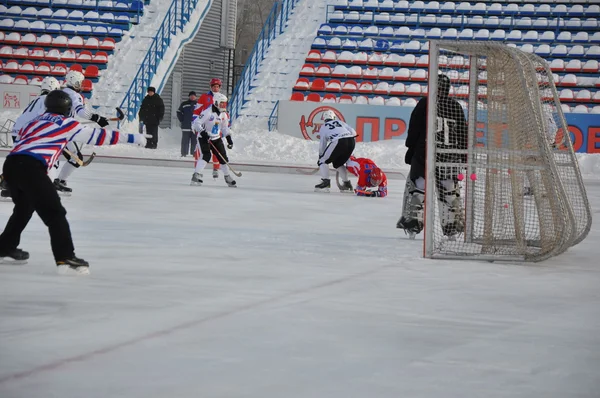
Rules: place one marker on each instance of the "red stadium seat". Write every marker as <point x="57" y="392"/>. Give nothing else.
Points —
<point x="313" y="97"/>
<point x="43" y="68"/>
<point x="318" y="85"/>
<point x="91" y="71"/>
<point x="314" y="56"/>
<point x="333" y="86"/>
<point x="330" y="98"/>
<point x="76" y="67"/>
<point x="307" y="70"/>
<point x="20" y="79"/>
<point x="107" y="44"/>
<point x="302" y="84"/>
<point x="59" y="70"/>
<point x="12" y="66"/>
<point x="86" y="86"/>
<point x="297" y="97"/>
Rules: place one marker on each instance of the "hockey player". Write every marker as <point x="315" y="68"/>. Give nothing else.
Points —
<point x="335" y="146"/>
<point x="451" y="134"/>
<point x="33" y="110"/>
<point x="210" y="127"/>
<point x="26" y="172"/>
<point x="206" y="101"/>
<point x="74" y="80"/>
<point x="372" y="181"/>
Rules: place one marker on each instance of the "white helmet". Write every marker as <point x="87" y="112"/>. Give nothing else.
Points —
<point x="50" y="84"/>
<point x="74" y="80"/>
<point x="220" y="101"/>
<point x="329" y="115"/>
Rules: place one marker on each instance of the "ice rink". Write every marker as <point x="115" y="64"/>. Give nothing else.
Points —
<point x="273" y="291"/>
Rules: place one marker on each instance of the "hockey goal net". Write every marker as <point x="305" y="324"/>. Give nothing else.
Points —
<point x="508" y="180"/>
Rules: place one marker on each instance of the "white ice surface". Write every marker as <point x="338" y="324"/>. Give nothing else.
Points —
<point x="272" y="290"/>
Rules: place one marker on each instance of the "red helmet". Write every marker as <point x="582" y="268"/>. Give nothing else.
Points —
<point x="375" y="177"/>
<point x="216" y="81"/>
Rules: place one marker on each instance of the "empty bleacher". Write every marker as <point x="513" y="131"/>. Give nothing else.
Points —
<point x="376" y="52"/>
<point x="40" y="38"/>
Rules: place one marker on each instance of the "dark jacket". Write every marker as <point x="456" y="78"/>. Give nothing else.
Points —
<point x="185" y="114"/>
<point x="152" y="110"/>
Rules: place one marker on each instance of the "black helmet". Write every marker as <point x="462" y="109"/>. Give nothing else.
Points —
<point x="59" y="102"/>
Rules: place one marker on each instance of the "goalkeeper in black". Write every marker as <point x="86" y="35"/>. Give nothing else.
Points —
<point x="451" y="127"/>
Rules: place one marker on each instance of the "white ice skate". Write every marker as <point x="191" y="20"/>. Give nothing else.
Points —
<point x="196" y="179"/>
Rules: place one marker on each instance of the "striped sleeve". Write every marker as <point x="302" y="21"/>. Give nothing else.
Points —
<point x="95" y="136"/>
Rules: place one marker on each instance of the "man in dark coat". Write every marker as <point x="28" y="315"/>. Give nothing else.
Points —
<point x="151" y="114"/>
<point x="185" y="113"/>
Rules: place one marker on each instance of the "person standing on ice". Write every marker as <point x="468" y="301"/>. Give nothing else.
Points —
<point x="40" y="143"/>
<point x="33" y="110"/>
<point x="336" y="145"/>
<point x="451" y="134"/>
<point x="210" y="127"/>
<point x="206" y="101"/>
<point x="74" y="81"/>
<point x="185" y="114"/>
<point x="372" y="181"/>
<point x="152" y="112"/>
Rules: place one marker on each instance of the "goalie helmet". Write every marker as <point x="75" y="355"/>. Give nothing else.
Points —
<point x="329" y="115"/>
<point x="74" y="79"/>
<point x="220" y="102"/>
<point x="50" y="84"/>
<point x="375" y="177"/>
<point x="58" y="102"/>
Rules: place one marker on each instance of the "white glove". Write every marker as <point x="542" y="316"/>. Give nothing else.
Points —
<point x="140" y="139"/>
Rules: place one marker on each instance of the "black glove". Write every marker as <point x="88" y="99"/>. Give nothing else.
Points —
<point x="229" y="142"/>
<point x="101" y="120"/>
<point x="204" y="135"/>
<point x="409" y="155"/>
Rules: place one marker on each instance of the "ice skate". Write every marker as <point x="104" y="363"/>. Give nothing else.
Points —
<point x="411" y="226"/>
<point x="5" y="195"/>
<point x="62" y="188"/>
<point x="73" y="265"/>
<point x="15" y="256"/>
<point x="230" y="182"/>
<point x="196" y="179"/>
<point x="215" y="173"/>
<point x="323" y="186"/>
<point x="347" y="187"/>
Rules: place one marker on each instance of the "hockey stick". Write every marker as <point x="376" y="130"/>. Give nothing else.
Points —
<point x="79" y="161"/>
<point x="237" y="174"/>
<point x="120" y="116"/>
<point x="308" y="172"/>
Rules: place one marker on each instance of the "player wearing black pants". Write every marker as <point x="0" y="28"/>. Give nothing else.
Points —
<point x="31" y="191"/>
<point x="217" y="148"/>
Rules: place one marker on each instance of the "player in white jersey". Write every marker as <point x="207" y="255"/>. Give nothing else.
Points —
<point x="74" y="80"/>
<point x="26" y="168"/>
<point x="336" y="146"/>
<point x="210" y="127"/>
<point x="33" y="110"/>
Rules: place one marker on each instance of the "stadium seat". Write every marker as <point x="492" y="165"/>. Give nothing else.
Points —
<point x="52" y="54"/>
<point x="361" y="100"/>
<point x="313" y="55"/>
<point x="319" y="42"/>
<point x="398" y="89"/>
<point x="354" y="72"/>
<point x="593" y="52"/>
<point x="318" y="85"/>
<point x="345" y="99"/>
<point x="393" y="60"/>
<point x="566" y="95"/>
<point x="422" y="61"/>
<point x="376" y="59"/>
<point x="414" y="90"/>
<point x="91" y="72"/>
<point x="333" y="86"/>
<point x="297" y="97"/>
<point x="44" y="40"/>
<point x="577" y="51"/>
<point x="28" y="39"/>
<point x="466" y="34"/>
<point x="11" y="66"/>
<point x="370" y="73"/>
<point x="591" y="66"/>
<point x="340" y="30"/>
<point x="568" y="80"/>
<point x="580" y="109"/>
<point x="60" y="41"/>
<point x="13" y="38"/>
<point x="43" y="68"/>
<point x="393" y="101"/>
<point x="419" y="75"/>
<point x="58" y="70"/>
<point x="542" y="50"/>
<point x="573" y="65"/>
<point x="387" y="31"/>
<point x="334" y="43"/>
<point x="547" y="36"/>
<point x="595" y="110"/>
<point x="307" y="70"/>
<point x="386" y="74"/>
<point x="329" y="99"/>
<point x="331" y="56"/>
<point x="596" y="97"/>
<point x="450" y="34"/>
<point x="22" y="53"/>
<point x="410" y="102"/>
<point x="365" y="88"/>
<point x="557" y="65"/>
<point x="107" y="44"/>
<point x="76" y="42"/>
<point x="376" y="100"/>
<point x="76" y="67"/>
<point x="20" y="79"/>
<point x="581" y="37"/>
<point x="434" y="33"/>
<point x="313" y="97"/>
<point x="409" y="60"/>
<point x="349" y="44"/>
<point x="402" y="74"/>
<point x="514" y="35"/>
<point x="6" y="79"/>
<point x="559" y="51"/>
<point x="323" y="71"/>
<point x="382" y="88"/>
<point x="565" y="108"/>
<point x="583" y="96"/>
<point x="325" y="29"/>
<point x="349" y="86"/>
<point x="302" y="84"/>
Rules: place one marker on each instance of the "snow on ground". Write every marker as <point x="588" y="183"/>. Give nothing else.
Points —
<point x="271" y="290"/>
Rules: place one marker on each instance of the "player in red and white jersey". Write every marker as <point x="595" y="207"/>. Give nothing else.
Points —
<point x="26" y="168"/>
<point x="210" y="127"/>
<point x="205" y="102"/>
<point x="372" y="181"/>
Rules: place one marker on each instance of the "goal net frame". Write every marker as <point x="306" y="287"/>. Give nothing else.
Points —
<point x="513" y="108"/>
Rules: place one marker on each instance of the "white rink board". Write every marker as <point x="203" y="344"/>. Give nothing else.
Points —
<point x="270" y="290"/>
